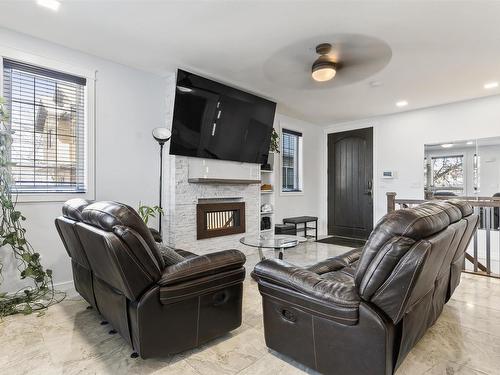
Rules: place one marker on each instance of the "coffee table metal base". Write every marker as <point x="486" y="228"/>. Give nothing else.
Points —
<point x="278" y="253"/>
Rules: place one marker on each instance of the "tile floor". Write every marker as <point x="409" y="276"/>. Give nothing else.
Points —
<point x="68" y="339"/>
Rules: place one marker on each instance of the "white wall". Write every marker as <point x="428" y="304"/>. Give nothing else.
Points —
<point x="399" y="142"/>
<point x="311" y="202"/>
<point x="489" y="170"/>
<point x="129" y="104"/>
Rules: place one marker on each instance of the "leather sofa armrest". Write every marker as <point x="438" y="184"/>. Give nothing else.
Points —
<point x="201" y="285"/>
<point x="337" y="263"/>
<point x="185" y="253"/>
<point x="274" y="271"/>
<point x="203" y="265"/>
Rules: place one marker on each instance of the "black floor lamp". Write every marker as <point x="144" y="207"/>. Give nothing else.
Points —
<point x="162" y="135"/>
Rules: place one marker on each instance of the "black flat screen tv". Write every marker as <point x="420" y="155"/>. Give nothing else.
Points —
<point x="212" y="120"/>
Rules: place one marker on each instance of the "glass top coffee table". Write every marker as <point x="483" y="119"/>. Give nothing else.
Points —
<point x="278" y="242"/>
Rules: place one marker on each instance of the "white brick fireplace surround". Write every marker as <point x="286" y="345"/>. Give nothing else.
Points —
<point x="181" y="197"/>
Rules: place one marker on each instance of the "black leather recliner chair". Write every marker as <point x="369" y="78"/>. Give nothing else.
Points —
<point x="82" y="273"/>
<point x="362" y="312"/>
<point x="158" y="309"/>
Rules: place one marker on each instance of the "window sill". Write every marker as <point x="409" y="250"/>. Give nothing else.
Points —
<point x="298" y="192"/>
<point x="51" y="197"/>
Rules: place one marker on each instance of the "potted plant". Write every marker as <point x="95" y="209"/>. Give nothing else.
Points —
<point x="148" y="212"/>
<point x="275" y="142"/>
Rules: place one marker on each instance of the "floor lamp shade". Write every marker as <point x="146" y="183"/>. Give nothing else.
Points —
<point x="161" y="135"/>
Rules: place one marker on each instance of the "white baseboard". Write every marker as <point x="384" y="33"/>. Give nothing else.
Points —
<point x="67" y="287"/>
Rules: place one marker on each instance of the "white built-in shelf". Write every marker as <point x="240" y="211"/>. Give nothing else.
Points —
<point x="268" y="177"/>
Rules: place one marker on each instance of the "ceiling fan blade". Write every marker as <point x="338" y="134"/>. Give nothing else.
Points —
<point x="358" y="57"/>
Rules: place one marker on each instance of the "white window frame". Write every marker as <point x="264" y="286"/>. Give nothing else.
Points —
<point x="89" y="125"/>
<point x="464" y="171"/>
<point x="300" y="162"/>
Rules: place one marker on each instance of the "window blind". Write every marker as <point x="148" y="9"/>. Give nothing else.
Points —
<point x="290" y="149"/>
<point x="47" y="115"/>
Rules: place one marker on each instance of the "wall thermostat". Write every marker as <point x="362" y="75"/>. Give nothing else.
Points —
<point x="388" y="174"/>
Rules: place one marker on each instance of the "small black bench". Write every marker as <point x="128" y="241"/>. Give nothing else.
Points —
<point x="285" y="229"/>
<point x="305" y="220"/>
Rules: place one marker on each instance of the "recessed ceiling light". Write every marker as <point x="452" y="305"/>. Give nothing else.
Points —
<point x="51" y="4"/>
<point x="447" y="145"/>
<point x="491" y="85"/>
<point x="402" y="103"/>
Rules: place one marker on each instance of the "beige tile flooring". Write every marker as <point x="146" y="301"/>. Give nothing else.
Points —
<point x="68" y="339"/>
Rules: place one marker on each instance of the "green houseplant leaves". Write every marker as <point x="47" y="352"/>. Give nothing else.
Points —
<point x="147" y="212"/>
<point x="275" y="142"/>
<point x="41" y="293"/>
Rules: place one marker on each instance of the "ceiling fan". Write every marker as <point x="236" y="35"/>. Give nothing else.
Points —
<point x="348" y="58"/>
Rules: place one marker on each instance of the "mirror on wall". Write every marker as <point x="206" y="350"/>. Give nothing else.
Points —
<point x="467" y="168"/>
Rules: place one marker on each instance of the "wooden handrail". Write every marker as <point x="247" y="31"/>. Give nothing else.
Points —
<point x="473" y="201"/>
<point x="410" y="201"/>
<point x="467" y="198"/>
<point x="391" y="201"/>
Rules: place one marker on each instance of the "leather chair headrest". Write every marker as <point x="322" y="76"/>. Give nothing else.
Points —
<point x="106" y="215"/>
<point x="73" y="208"/>
<point x="419" y="222"/>
<point x="454" y="213"/>
<point x="414" y="224"/>
<point x="463" y="206"/>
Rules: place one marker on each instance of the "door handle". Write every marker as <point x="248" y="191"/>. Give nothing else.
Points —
<point x="369" y="189"/>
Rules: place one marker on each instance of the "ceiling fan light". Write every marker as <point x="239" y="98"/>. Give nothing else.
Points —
<point x="323" y="71"/>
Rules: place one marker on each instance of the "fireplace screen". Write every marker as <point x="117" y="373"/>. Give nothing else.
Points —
<point x="220" y="219"/>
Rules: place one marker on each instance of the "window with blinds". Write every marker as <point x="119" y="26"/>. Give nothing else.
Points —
<point x="47" y="115"/>
<point x="290" y="162"/>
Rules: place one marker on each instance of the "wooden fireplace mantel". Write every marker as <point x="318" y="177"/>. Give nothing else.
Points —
<point x="211" y="180"/>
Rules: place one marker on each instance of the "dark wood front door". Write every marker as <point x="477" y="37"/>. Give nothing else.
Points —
<point x="350" y="181"/>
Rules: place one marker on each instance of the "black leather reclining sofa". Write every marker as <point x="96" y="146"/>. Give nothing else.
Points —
<point x="362" y="312"/>
<point x="158" y="309"/>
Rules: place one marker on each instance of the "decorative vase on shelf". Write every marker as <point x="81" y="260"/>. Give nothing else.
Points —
<point x="265" y="223"/>
<point x="266" y="207"/>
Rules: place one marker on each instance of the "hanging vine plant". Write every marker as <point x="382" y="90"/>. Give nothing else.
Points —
<point x="41" y="293"/>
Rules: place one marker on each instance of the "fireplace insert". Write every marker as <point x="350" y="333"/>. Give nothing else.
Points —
<point x="219" y="219"/>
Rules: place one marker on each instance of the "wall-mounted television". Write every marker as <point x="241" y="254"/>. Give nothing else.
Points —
<point x="212" y="120"/>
